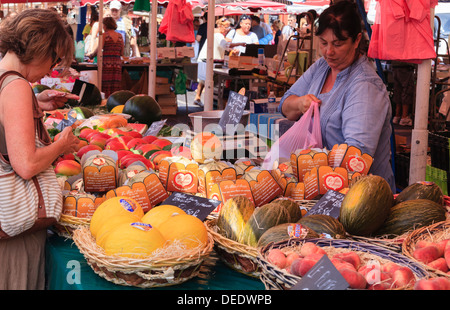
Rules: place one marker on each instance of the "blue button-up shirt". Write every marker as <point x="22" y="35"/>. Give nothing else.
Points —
<point x="357" y="111"/>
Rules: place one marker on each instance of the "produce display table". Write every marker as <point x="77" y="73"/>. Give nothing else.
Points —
<point x="67" y="269"/>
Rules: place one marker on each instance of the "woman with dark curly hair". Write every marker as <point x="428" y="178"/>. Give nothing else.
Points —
<point x="33" y="43"/>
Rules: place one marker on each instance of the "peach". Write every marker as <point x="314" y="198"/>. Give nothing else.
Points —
<point x="442" y="245"/>
<point x="423" y="243"/>
<point x="442" y="283"/>
<point x="339" y="264"/>
<point x="403" y="277"/>
<point x="426" y="254"/>
<point x="295" y="265"/>
<point x="426" y="284"/>
<point x="68" y="167"/>
<point x="390" y="267"/>
<point x="87" y="148"/>
<point x="350" y="257"/>
<point x="310" y="248"/>
<point x="447" y="257"/>
<point x="439" y="264"/>
<point x="354" y="279"/>
<point x="308" y="262"/>
<point x="290" y="257"/>
<point x="277" y="257"/>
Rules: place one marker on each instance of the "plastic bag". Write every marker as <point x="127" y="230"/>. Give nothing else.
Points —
<point x="304" y="134"/>
<point x="180" y="83"/>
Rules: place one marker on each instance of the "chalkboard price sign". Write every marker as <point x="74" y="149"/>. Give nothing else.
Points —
<point x="329" y="204"/>
<point x="198" y="206"/>
<point x="322" y="276"/>
<point x="234" y="110"/>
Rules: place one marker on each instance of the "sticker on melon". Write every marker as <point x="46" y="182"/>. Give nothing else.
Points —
<point x="134" y="240"/>
<point x="115" y="206"/>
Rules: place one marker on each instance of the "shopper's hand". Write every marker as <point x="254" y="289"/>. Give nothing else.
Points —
<point x="304" y="102"/>
<point x="51" y="99"/>
<point x="69" y="140"/>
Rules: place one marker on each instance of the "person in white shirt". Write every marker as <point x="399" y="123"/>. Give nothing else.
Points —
<point x="242" y="34"/>
<point x="220" y="44"/>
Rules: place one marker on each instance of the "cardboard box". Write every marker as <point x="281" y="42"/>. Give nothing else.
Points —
<point x="100" y="171"/>
<point x="162" y="89"/>
<point x="169" y="110"/>
<point x="179" y="174"/>
<point x="79" y="204"/>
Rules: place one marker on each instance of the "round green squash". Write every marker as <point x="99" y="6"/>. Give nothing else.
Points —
<point x="366" y="205"/>
<point x="324" y="224"/>
<point x="283" y="232"/>
<point x="421" y="190"/>
<point x="263" y="218"/>
<point x="143" y="109"/>
<point x="411" y="214"/>
<point x="118" y="98"/>
<point x="293" y="207"/>
<point x="233" y="216"/>
<point x="38" y="88"/>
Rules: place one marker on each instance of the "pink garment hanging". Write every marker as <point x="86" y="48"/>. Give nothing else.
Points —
<point x="402" y="31"/>
<point x="178" y="22"/>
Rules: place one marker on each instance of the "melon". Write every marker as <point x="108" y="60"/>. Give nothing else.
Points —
<point x="118" y="98"/>
<point x="38" y="88"/>
<point x="143" y="109"/>
<point x="133" y="240"/>
<point x="286" y="231"/>
<point x="115" y="206"/>
<point x="324" y="224"/>
<point x="110" y="225"/>
<point x="117" y="109"/>
<point x="411" y="214"/>
<point x="263" y="218"/>
<point x="366" y="205"/>
<point x="141" y="128"/>
<point x="233" y="216"/>
<point x="421" y="190"/>
<point x="159" y="214"/>
<point x="186" y="229"/>
<point x="293" y="207"/>
<point x="204" y="146"/>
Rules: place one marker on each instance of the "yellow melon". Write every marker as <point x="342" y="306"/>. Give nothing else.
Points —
<point x="115" y="206"/>
<point x="186" y="228"/>
<point x="206" y="145"/>
<point x="110" y="225"/>
<point x="160" y="214"/>
<point x="118" y="108"/>
<point x="134" y="240"/>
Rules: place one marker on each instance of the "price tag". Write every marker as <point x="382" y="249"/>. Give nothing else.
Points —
<point x="155" y="128"/>
<point x="329" y="204"/>
<point x="234" y="110"/>
<point x="322" y="276"/>
<point x="198" y="206"/>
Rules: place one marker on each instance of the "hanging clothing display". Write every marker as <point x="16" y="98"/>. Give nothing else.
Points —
<point x="178" y="22"/>
<point x="402" y="31"/>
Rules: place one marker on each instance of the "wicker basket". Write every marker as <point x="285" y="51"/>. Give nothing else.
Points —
<point x="394" y="244"/>
<point x="433" y="233"/>
<point x="144" y="273"/>
<point x="238" y="256"/>
<point x="68" y="223"/>
<point x="275" y="278"/>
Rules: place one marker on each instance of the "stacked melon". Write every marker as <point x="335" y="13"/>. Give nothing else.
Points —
<point x="121" y="228"/>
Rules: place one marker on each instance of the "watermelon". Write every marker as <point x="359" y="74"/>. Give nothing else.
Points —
<point x="141" y="128"/>
<point x="143" y="109"/>
<point x="118" y="98"/>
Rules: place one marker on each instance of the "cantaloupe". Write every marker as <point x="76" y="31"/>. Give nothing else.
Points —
<point x="206" y="145"/>
<point x="115" y="206"/>
<point x="110" y="225"/>
<point x="189" y="230"/>
<point x="134" y="240"/>
<point x="160" y="214"/>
